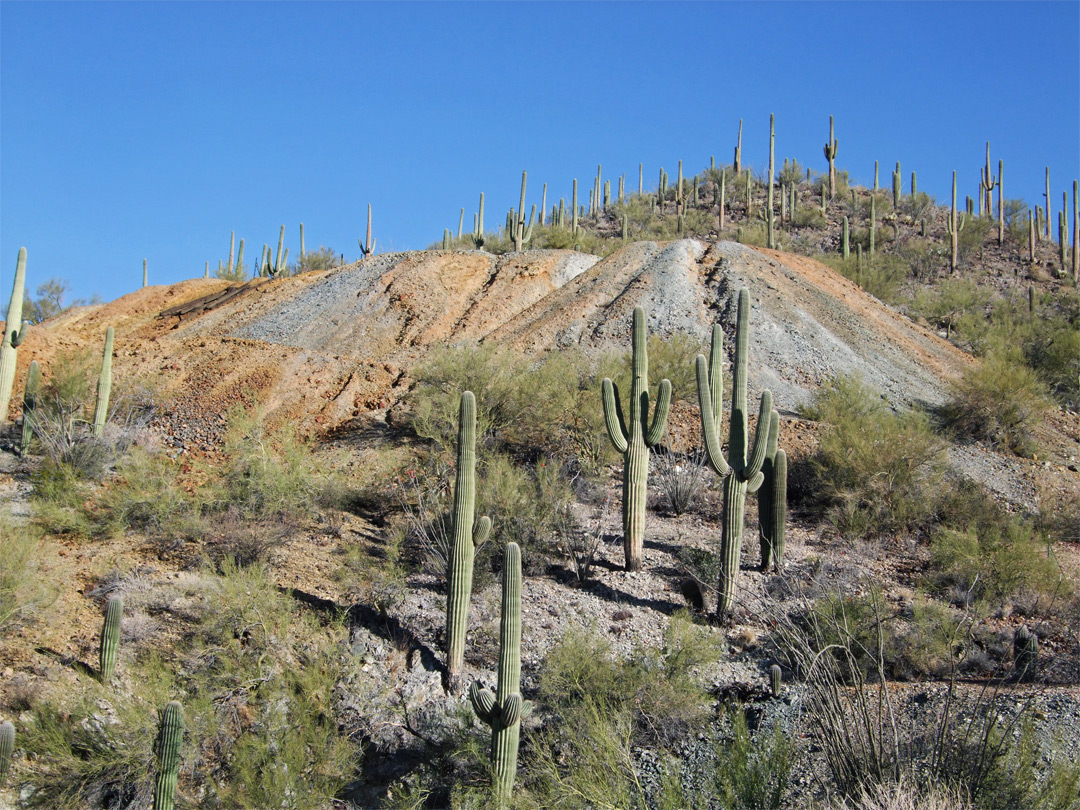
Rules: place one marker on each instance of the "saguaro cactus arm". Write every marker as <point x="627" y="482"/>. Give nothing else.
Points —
<point x="613" y="415"/>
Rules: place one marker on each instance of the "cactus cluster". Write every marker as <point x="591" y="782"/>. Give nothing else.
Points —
<point x="633" y="438"/>
<point x="504" y="708"/>
<point x="466" y="538"/>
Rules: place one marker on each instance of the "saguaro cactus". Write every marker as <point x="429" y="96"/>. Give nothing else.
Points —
<point x="634" y="438"/>
<point x="30" y="392"/>
<point x="167" y="755"/>
<point x="772" y="500"/>
<point x="7" y="748"/>
<point x="845" y="236"/>
<point x="741" y="471"/>
<point x="109" y="648"/>
<point x="775" y="677"/>
<point x="954" y="226"/>
<point x="738" y="151"/>
<point x="367" y="247"/>
<point x="830" y="155"/>
<point x="466" y="538"/>
<point x="144" y="276"/>
<point x="504" y="708"/>
<point x="771" y="241"/>
<point x="518" y="231"/>
<point x="104" y="386"/>
<point x="478" y="226"/>
<point x="896" y="189"/>
<point x="14" y="332"/>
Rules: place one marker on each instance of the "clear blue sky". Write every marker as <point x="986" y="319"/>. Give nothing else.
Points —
<point x="134" y="129"/>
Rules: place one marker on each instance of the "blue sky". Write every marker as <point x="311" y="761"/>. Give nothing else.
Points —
<point x="132" y="129"/>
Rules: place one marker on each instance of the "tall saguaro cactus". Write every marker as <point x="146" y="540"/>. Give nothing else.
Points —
<point x="109" y="648"/>
<point x="737" y="166"/>
<point x="367" y="247"/>
<point x="14" y="332"/>
<point x="104" y="387"/>
<point x="167" y="755"/>
<point x="771" y="241"/>
<point x="635" y="437"/>
<point x="741" y="470"/>
<point x="518" y="230"/>
<point x="772" y="500"/>
<point x="830" y="155"/>
<point x="504" y="708"/>
<point x="466" y="538"/>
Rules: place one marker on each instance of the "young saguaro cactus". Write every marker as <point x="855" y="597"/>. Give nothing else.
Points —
<point x="30" y="392"/>
<point x="772" y="500"/>
<point x="167" y="755"/>
<point x="104" y="387"/>
<point x="14" y="332"/>
<point x="367" y="247"/>
<point x="109" y="649"/>
<point x="1025" y="653"/>
<point x="7" y="748"/>
<point x="775" y="679"/>
<point x="504" y="708"/>
<point x="635" y="437"/>
<point x="466" y="538"/>
<point x="741" y="470"/>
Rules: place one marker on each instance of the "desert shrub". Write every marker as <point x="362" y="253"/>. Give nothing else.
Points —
<point x="969" y="242"/>
<point x="1052" y="347"/>
<point x="58" y="498"/>
<point x="809" y="217"/>
<point x="24" y="586"/>
<point x="256" y="674"/>
<point x="740" y="770"/>
<point x="875" y="471"/>
<point x="672" y="358"/>
<point x="945" y="303"/>
<point x="880" y="274"/>
<point x="317" y="261"/>
<point x="918" y="205"/>
<point x="993" y="560"/>
<point x="1000" y="401"/>
<point x="680" y="477"/>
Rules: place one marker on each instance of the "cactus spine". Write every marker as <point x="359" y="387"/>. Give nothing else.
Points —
<point x="830" y="155"/>
<point x="109" y="649"/>
<point x="167" y="754"/>
<point x="33" y="383"/>
<point x="104" y="387"/>
<point x="954" y="226"/>
<point x="7" y="748"/>
<point x="741" y="471"/>
<point x="466" y="539"/>
<point x="772" y="500"/>
<point x="775" y="676"/>
<point x="504" y="709"/>
<point x="634" y="438"/>
<point x="518" y="230"/>
<point x="14" y="332"/>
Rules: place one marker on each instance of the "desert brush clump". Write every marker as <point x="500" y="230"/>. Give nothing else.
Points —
<point x="875" y="470"/>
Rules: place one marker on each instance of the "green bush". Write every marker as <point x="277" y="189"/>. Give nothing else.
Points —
<point x="24" y="585"/>
<point x="1000" y="401"/>
<point x="874" y="471"/>
<point x="994" y="560"/>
